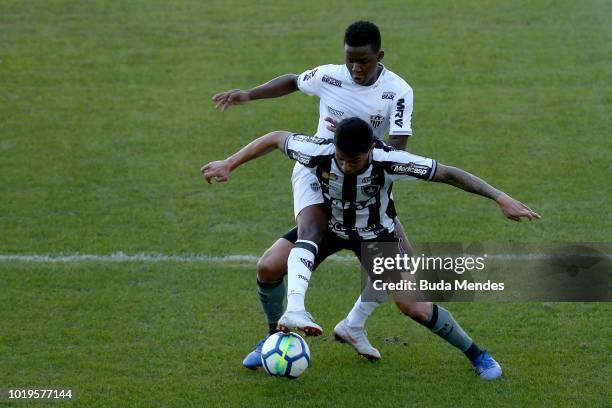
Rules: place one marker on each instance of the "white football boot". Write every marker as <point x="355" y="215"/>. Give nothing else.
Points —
<point x="300" y="320"/>
<point x="356" y="337"/>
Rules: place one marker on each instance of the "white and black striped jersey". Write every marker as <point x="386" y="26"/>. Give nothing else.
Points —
<point x="361" y="204"/>
<point x="386" y="104"/>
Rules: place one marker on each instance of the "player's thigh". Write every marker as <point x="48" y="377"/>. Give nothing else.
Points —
<point x="272" y="265"/>
<point x="306" y="189"/>
<point x="312" y="222"/>
<point x="329" y="245"/>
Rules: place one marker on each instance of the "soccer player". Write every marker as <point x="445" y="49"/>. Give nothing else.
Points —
<point x="364" y="88"/>
<point x="356" y="179"/>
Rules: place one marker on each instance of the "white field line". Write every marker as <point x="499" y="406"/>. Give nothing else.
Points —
<point x="142" y="257"/>
<point x="239" y="258"/>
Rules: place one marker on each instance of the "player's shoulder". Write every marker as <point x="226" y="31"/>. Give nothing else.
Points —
<point x="389" y="157"/>
<point x="310" y="151"/>
<point x="400" y="162"/>
<point x="387" y="154"/>
<point x="333" y="75"/>
<point x="314" y="140"/>
<point x="396" y="82"/>
<point x="330" y="74"/>
<point x="324" y="69"/>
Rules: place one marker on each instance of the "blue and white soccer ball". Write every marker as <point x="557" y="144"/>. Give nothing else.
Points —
<point x="285" y="355"/>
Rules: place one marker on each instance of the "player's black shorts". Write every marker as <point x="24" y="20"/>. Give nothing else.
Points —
<point x="332" y="243"/>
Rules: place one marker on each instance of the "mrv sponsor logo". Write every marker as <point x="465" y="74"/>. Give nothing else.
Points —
<point x="399" y="112"/>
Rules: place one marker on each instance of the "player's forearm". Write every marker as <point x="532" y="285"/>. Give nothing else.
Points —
<point x="257" y="148"/>
<point x="280" y="86"/>
<point x="465" y="181"/>
<point x="398" y="142"/>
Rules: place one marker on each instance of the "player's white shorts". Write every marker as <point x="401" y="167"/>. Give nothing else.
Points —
<point x="306" y="189"/>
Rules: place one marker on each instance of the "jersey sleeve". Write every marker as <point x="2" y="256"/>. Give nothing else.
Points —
<point x="309" y="81"/>
<point x="401" y="165"/>
<point x="401" y="114"/>
<point x="308" y="150"/>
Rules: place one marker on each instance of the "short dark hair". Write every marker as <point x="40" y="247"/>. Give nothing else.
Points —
<point x="353" y="136"/>
<point x="362" y="33"/>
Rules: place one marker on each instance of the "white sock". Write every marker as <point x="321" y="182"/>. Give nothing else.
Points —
<point x="360" y="313"/>
<point x="299" y="268"/>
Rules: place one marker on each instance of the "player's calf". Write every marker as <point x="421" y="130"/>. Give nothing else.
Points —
<point x="418" y="311"/>
<point x="442" y="323"/>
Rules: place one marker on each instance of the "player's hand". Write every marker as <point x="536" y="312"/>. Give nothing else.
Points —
<point x="218" y="170"/>
<point x="224" y="100"/>
<point x="515" y="210"/>
<point x="332" y="124"/>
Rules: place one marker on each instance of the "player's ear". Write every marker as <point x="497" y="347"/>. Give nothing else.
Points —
<point x="381" y="55"/>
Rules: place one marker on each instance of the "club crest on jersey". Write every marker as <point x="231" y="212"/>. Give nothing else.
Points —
<point x="314" y="186"/>
<point x="370" y="190"/>
<point x="388" y="95"/>
<point x="332" y="81"/>
<point x="376" y="120"/>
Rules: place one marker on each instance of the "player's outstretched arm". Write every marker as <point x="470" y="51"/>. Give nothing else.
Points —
<point x="280" y="86"/>
<point x="221" y="169"/>
<point x="511" y="208"/>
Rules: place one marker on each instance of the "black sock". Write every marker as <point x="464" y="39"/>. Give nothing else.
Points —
<point x="473" y="352"/>
<point x="442" y="323"/>
<point x="271" y="297"/>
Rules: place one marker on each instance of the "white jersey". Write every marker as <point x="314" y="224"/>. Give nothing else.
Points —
<point x="361" y="204"/>
<point x="386" y="104"/>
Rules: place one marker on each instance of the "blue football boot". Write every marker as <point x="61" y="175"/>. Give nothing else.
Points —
<point x="253" y="359"/>
<point x="486" y="367"/>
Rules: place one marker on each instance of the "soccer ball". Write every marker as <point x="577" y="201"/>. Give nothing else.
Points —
<point x="285" y="355"/>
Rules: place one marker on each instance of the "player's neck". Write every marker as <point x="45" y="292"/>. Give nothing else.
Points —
<point x="379" y="70"/>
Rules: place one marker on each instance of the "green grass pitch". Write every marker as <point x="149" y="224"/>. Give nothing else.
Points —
<point x="106" y="118"/>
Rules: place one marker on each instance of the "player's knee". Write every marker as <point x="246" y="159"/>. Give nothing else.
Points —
<point x="268" y="270"/>
<point x="414" y="310"/>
